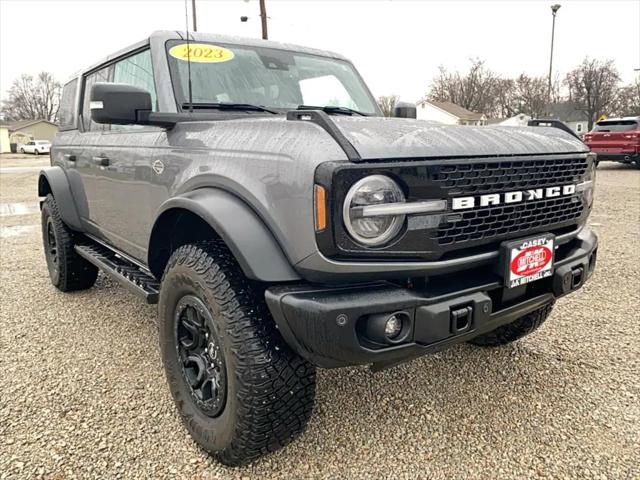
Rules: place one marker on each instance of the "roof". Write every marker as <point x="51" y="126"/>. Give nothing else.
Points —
<point x="159" y="37"/>
<point x="567" y="112"/>
<point x="455" y="110"/>
<point x="19" y="125"/>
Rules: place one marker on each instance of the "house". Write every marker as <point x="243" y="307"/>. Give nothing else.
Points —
<point x="32" y="129"/>
<point x="519" y="120"/>
<point x="4" y="138"/>
<point x="568" y="112"/>
<point x="448" y="113"/>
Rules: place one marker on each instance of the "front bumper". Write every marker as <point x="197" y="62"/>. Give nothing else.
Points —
<point x="325" y="325"/>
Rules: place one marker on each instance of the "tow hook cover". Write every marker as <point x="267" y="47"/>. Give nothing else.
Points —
<point x="442" y="320"/>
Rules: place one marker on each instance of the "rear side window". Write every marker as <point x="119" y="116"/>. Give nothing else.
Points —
<point x="616" y="126"/>
<point x="67" y="112"/>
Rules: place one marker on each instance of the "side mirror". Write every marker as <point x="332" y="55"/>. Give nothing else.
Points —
<point x="119" y="103"/>
<point x="405" y="110"/>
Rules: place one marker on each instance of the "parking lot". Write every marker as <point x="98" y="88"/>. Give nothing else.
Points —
<point x="82" y="391"/>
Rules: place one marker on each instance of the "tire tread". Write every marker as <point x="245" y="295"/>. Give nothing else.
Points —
<point x="75" y="273"/>
<point x="276" y="386"/>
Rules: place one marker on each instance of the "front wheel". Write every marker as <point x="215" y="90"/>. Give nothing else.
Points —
<point x="22" y="150"/>
<point x="240" y="390"/>
<point x="515" y="330"/>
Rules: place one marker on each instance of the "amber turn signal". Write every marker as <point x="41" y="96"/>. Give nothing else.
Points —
<point x="320" y="202"/>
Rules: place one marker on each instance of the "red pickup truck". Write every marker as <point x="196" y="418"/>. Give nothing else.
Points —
<point x="616" y="139"/>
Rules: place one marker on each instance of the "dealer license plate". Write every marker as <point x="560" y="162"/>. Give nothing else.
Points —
<point x="528" y="259"/>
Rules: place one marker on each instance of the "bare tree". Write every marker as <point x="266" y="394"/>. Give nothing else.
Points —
<point x="33" y="98"/>
<point x="387" y="103"/>
<point x="504" y="92"/>
<point x="531" y="95"/>
<point x="474" y="90"/>
<point x="593" y="85"/>
<point x="628" y="100"/>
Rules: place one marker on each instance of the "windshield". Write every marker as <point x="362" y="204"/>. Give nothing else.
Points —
<point x="267" y="77"/>
<point x="615" y="126"/>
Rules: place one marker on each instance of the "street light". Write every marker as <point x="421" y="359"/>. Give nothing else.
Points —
<point x="554" y="10"/>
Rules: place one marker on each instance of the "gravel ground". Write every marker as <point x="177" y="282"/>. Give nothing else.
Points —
<point x="82" y="392"/>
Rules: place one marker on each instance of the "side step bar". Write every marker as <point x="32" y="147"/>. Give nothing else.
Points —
<point x="122" y="270"/>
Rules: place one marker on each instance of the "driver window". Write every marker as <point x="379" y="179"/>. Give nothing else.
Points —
<point x="136" y="70"/>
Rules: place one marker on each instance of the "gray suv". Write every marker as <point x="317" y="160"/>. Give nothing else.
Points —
<point x="254" y="191"/>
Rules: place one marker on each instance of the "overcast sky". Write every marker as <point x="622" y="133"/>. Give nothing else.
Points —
<point x="396" y="45"/>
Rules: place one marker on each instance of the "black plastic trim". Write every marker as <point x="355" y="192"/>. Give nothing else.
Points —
<point x="323" y="120"/>
<point x="324" y="324"/>
<point x="61" y="190"/>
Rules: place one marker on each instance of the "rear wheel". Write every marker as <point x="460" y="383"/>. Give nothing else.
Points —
<point x="515" y="330"/>
<point x="22" y="150"/>
<point x="36" y="152"/>
<point x="68" y="270"/>
<point x="240" y="390"/>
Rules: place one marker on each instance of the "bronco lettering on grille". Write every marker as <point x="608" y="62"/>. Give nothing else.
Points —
<point x="461" y="203"/>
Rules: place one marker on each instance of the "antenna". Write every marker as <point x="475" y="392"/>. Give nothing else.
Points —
<point x="186" y="18"/>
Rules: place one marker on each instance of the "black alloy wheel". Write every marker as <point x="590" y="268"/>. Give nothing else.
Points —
<point x="51" y="247"/>
<point x="200" y="355"/>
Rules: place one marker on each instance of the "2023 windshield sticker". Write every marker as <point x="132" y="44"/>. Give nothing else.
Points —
<point x="201" y="53"/>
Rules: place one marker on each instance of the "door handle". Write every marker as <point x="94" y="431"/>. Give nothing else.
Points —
<point x="101" y="161"/>
<point x="70" y="157"/>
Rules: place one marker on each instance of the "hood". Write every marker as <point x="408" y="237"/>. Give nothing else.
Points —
<point x="377" y="138"/>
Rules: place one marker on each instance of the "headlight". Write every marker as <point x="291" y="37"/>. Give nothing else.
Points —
<point x="587" y="187"/>
<point x="372" y="227"/>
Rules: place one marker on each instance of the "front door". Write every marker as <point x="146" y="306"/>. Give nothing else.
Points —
<point x="119" y="165"/>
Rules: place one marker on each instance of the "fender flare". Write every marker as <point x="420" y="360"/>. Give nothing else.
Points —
<point x="59" y="186"/>
<point x="243" y="231"/>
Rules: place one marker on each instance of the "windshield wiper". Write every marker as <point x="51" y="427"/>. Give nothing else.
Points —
<point x="332" y="109"/>
<point x="226" y="106"/>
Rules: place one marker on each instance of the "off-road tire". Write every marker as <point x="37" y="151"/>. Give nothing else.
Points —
<point x="515" y="330"/>
<point x="269" y="389"/>
<point x="69" y="272"/>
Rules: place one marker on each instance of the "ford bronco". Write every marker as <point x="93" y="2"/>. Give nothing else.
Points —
<point x="255" y="192"/>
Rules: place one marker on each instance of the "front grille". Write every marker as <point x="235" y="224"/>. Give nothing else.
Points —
<point x="494" y="177"/>
<point x="454" y="233"/>
<point x="501" y="221"/>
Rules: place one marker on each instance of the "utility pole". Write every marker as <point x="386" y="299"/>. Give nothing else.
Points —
<point x="554" y="9"/>
<point x="263" y="17"/>
<point x="193" y="9"/>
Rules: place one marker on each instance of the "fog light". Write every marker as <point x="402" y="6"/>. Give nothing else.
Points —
<point x="393" y="327"/>
<point x="387" y="328"/>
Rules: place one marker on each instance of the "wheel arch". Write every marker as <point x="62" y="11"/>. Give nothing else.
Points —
<point x="52" y="180"/>
<point x="209" y="212"/>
